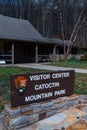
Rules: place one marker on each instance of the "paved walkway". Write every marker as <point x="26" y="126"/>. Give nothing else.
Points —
<point x="54" y="68"/>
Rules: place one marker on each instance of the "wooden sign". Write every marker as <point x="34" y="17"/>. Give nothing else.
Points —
<point x="36" y="87"/>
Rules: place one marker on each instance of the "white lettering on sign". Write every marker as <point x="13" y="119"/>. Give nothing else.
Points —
<point x="60" y="75"/>
<point x="39" y="77"/>
<point x="38" y="96"/>
<point x="46" y="86"/>
<point x="60" y="92"/>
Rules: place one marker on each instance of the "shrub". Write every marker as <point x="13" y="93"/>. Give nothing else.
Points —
<point x="84" y="57"/>
<point x="1" y="107"/>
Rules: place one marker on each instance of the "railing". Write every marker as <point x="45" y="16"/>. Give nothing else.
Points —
<point x="44" y="58"/>
<point x="5" y="58"/>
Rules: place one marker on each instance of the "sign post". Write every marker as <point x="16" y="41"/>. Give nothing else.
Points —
<point x="33" y="88"/>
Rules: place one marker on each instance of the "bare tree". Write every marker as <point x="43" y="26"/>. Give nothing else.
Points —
<point x="81" y="20"/>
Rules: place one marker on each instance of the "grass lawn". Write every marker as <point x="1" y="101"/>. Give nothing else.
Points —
<point x="6" y="72"/>
<point x="80" y="83"/>
<point x="71" y="63"/>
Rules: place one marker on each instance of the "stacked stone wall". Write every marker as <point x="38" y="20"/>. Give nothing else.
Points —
<point x="22" y="116"/>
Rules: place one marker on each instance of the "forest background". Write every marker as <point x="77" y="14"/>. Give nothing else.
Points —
<point x="52" y="18"/>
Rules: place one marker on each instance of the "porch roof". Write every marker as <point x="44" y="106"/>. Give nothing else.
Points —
<point x="22" y="30"/>
<point x="17" y="29"/>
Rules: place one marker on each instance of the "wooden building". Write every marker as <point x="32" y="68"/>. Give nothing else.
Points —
<point x="20" y="42"/>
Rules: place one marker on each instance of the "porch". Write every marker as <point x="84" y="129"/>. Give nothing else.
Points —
<point x="15" y="52"/>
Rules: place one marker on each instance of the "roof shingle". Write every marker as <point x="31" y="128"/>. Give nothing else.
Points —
<point x="17" y="29"/>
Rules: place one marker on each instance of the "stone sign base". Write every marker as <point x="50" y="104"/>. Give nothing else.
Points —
<point x="19" y="117"/>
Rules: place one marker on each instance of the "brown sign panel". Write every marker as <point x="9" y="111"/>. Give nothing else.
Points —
<point x="32" y="88"/>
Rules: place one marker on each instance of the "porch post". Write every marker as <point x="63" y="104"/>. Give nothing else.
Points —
<point x="12" y="53"/>
<point x="36" y="54"/>
<point x="54" y="53"/>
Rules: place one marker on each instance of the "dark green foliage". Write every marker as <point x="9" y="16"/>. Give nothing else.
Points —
<point x="1" y="107"/>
